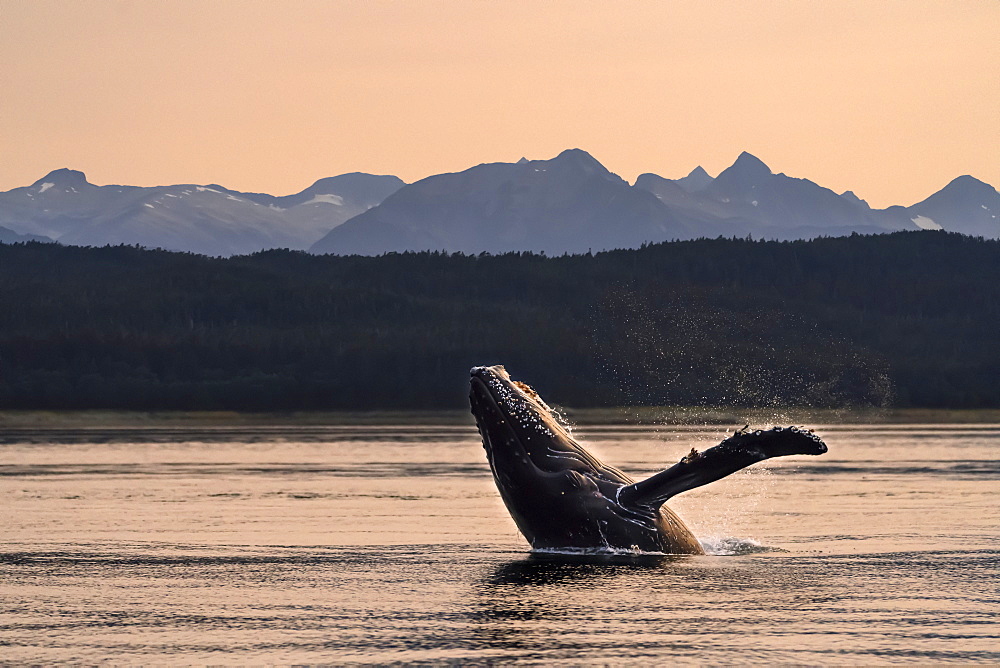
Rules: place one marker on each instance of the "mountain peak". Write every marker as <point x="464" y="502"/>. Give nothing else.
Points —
<point x="697" y="180"/>
<point x="750" y="165"/>
<point x="580" y="158"/>
<point x="850" y="196"/>
<point x="963" y="191"/>
<point x="740" y="179"/>
<point x="63" y="177"/>
<point x="325" y="184"/>
<point x="966" y="184"/>
<point x="359" y="188"/>
<point x="698" y="172"/>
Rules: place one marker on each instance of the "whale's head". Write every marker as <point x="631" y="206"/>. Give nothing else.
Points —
<point x="521" y="434"/>
<point x="559" y="494"/>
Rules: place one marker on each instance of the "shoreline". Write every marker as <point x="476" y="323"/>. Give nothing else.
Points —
<point x="637" y="416"/>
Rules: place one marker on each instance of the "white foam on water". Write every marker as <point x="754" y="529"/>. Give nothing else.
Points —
<point x="714" y="546"/>
<point x="603" y="550"/>
<point x="729" y="546"/>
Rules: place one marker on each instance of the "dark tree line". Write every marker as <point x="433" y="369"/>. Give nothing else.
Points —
<point x="908" y="319"/>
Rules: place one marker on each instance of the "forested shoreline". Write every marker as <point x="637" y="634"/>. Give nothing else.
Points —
<point x="906" y="319"/>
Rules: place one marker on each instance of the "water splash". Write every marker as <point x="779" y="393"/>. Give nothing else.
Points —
<point x="559" y="413"/>
<point x="729" y="546"/>
<point x="685" y="348"/>
<point x="715" y="546"/>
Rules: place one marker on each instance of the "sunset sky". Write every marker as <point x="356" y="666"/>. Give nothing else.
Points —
<point x="891" y="99"/>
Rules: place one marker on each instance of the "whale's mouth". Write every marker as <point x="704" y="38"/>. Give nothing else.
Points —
<point x="502" y="411"/>
<point x="493" y="423"/>
<point x="496" y="398"/>
<point x="518" y="400"/>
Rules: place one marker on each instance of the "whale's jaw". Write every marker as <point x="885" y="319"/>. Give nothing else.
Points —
<point x="513" y="419"/>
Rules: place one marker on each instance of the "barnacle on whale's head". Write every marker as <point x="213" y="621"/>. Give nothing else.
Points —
<point x="524" y="387"/>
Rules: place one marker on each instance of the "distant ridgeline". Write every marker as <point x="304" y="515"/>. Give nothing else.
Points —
<point x="568" y="204"/>
<point x="905" y="319"/>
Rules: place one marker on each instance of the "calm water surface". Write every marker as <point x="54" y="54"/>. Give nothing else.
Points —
<point x="390" y="544"/>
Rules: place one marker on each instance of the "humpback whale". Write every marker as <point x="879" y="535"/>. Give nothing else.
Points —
<point x="563" y="497"/>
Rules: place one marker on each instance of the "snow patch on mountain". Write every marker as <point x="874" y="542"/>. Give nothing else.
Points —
<point x="336" y="200"/>
<point x="925" y="223"/>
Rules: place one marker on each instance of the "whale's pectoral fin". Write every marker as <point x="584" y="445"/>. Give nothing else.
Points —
<point x="700" y="468"/>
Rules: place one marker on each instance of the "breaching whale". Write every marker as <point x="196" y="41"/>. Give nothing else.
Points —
<point x="562" y="497"/>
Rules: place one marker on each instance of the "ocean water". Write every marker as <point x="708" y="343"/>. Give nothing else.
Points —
<point x="390" y="544"/>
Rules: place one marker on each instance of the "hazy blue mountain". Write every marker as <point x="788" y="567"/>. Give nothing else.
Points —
<point x="965" y="205"/>
<point x="211" y="220"/>
<point x="749" y="198"/>
<point x="703" y="216"/>
<point x="854" y="199"/>
<point x="696" y="181"/>
<point x="782" y="207"/>
<point x="357" y="189"/>
<point x="11" y="237"/>
<point x="569" y="204"/>
<point x="57" y="203"/>
<point x="666" y="190"/>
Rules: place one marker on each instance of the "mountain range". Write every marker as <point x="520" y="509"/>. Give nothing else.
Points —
<point x="568" y="204"/>
<point x="208" y="219"/>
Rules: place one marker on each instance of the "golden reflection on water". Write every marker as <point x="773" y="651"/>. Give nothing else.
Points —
<point x="392" y="545"/>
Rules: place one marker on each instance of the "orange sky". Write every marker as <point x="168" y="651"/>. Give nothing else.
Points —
<point x="889" y="98"/>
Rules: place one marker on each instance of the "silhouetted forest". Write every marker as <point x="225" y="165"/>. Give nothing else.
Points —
<point x="907" y="319"/>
